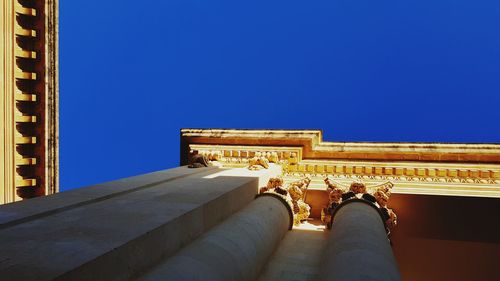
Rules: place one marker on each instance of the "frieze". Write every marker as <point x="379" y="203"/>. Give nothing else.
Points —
<point x="427" y="178"/>
<point x="289" y="158"/>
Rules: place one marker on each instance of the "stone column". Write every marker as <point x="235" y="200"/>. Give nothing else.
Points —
<point x="237" y="249"/>
<point x="358" y="246"/>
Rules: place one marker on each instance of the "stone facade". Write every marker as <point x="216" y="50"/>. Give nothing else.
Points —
<point x="29" y="100"/>
<point x="245" y="213"/>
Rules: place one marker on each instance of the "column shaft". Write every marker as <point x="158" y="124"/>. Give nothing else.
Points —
<point x="235" y="250"/>
<point x="358" y="248"/>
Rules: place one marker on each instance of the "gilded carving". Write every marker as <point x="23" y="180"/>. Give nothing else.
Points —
<point x="365" y="171"/>
<point x="293" y="160"/>
<point x="212" y="155"/>
<point x="271" y="184"/>
<point x="294" y="166"/>
<point x="422" y="177"/>
<point x="390" y="218"/>
<point x="294" y="193"/>
<point x="258" y="162"/>
<point x="273" y="157"/>
<point x="377" y="195"/>
<point x="357" y="187"/>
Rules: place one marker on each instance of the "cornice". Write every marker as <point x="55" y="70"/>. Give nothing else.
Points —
<point x="464" y="178"/>
<point x="29" y="98"/>
<point x="314" y="147"/>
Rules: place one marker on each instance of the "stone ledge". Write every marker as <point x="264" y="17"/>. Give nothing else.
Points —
<point x="313" y="146"/>
<point x="23" y="211"/>
<point x="123" y="235"/>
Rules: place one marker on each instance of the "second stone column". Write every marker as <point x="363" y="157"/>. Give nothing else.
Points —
<point x="237" y="249"/>
<point x="358" y="247"/>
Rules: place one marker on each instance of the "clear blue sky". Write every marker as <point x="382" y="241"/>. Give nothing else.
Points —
<point x="134" y="72"/>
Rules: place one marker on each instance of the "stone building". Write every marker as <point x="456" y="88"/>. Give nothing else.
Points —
<point x="259" y="204"/>
<point x="29" y="99"/>
<point x="243" y="205"/>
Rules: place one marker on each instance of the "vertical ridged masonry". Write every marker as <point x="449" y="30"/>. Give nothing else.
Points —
<point x="28" y="80"/>
<point x="29" y="99"/>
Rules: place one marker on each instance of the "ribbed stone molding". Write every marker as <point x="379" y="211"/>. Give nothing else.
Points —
<point x="236" y="250"/>
<point x="29" y="99"/>
<point x="358" y="248"/>
<point x="414" y="168"/>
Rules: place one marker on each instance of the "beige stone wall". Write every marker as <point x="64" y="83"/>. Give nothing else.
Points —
<point x="118" y="230"/>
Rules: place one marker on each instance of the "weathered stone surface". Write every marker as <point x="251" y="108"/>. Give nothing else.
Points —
<point x="117" y="230"/>
<point x="358" y="248"/>
<point x="235" y="250"/>
<point x="298" y="257"/>
<point x="22" y="211"/>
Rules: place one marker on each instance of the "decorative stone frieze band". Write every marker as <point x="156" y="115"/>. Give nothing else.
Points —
<point x="424" y="176"/>
<point x="311" y="143"/>
<point x="415" y="168"/>
<point x="291" y="156"/>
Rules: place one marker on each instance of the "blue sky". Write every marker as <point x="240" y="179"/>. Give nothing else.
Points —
<point x="132" y="73"/>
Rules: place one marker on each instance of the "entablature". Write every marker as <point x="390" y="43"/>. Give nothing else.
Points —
<point x="422" y="171"/>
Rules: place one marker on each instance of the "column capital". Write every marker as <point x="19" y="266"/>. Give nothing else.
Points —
<point x="376" y="196"/>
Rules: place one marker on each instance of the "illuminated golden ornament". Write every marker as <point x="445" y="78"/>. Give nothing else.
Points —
<point x="258" y="162"/>
<point x="339" y="193"/>
<point x="294" y="193"/>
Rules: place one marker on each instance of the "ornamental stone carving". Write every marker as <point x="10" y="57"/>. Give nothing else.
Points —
<point x="377" y="195"/>
<point x="212" y="155"/>
<point x="294" y="194"/>
<point x="258" y="162"/>
<point x="357" y="187"/>
<point x="198" y="160"/>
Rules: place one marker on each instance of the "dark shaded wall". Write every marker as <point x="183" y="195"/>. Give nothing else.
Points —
<point x="441" y="237"/>
<point x="447" y="238"/>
